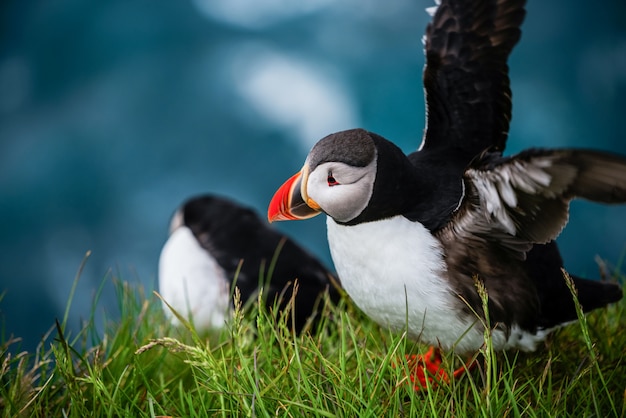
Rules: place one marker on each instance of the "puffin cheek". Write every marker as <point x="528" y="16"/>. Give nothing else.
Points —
<point x="341" y="204"/>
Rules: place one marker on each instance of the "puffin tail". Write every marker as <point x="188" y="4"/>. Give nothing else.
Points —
<point x="594" y="294"/>
<point x="556" y="302"/>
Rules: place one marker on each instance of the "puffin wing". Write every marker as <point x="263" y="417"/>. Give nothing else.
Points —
<point x="512" y="203"/>
<point x="525" y="198"/>
<point x="466" y="80"/>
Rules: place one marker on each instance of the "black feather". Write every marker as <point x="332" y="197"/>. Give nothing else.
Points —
<point x="466" y="80"/>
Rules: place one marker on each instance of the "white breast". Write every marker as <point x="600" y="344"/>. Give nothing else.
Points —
<point x="192" y="282"/>
<point x="394" y="270"/>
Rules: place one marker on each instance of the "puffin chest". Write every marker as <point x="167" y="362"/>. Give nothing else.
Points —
<point x="394" y="270"/>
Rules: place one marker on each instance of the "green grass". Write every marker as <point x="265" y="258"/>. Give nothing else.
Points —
<point x="349" y="367"/>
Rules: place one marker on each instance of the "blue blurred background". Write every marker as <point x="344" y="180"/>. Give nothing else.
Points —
<point x="112" y="113"/>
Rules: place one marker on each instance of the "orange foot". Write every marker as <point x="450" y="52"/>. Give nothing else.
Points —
<point x="427" y="367"/>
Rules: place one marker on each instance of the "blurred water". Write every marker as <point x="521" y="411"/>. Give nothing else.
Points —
<point x="112" y="113"/>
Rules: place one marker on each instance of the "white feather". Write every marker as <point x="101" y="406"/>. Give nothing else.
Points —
<point x="394" y="270"/>
<point x="498" y="188"/>
<point x="433" y="9"/>
<point x="192" y="282"/>
<point x="520" y="339"/>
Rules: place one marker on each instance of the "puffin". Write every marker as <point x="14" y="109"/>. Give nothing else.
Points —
<point x="412" y="236"/>
<point x="215" y="245"/>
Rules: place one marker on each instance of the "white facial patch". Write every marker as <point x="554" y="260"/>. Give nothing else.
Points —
<point x="345" y="200"/>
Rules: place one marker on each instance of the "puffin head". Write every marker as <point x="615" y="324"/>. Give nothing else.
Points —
<point x="337" y="178"/>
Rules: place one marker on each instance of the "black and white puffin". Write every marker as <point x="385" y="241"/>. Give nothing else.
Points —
<point x="409" y="234"/>
<point x="214" y="241"/>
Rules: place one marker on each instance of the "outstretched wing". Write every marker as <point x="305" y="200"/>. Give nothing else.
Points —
<point x="466" y="79"/>
<point x="510" y="204"/>
<point x="524" y="199"/>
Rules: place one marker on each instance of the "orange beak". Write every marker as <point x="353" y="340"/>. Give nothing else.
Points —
<point x="290" y="202"/>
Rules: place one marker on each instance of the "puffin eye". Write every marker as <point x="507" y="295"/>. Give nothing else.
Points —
<point x="331" y="180"/>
